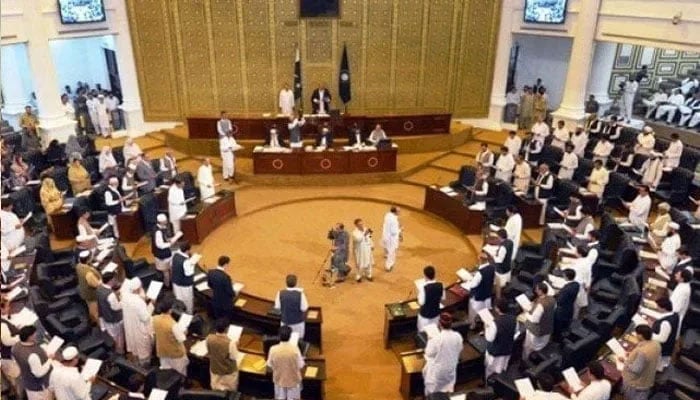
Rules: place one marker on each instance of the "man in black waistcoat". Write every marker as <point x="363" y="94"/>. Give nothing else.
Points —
<point x="499" y="335"/>
<point x="430" y="294"/>
<point x="222" y="289"/>
<point x="481" y="287"/>
<point x="565" y="300"/>
<point x="292" y="304"/>
<point x="34" y="364"/>
<point x="665" y="330"/>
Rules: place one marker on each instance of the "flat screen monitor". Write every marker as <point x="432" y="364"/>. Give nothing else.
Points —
<point x="81" y="11"/>
<point x="319" y="8"/>
<point x="545" y="11"/>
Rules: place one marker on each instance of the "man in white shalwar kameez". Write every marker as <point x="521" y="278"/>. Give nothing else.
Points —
<point x="227" y="146"/>
<point x="568" y="163"/>
<point x="639" y="208"/>
<point x="224" y="125"/>
<point x="177" y="207"/>
<point x="629" y="91"/>
<point x="504" y="165"/>
<point x="12" y="228"/>
<point x="286" y="100"/>
<point x="105" y="128"/>
<point x="205" y="179"/>
<point x="521" y="175"/>
<point x="391" y="236"/>
<point x="651" y="171"/>
<point x="441" y="358"/>
<point x="362" y="250"/>
<point x="672" y="155"/>
<point x="138" y="324"/>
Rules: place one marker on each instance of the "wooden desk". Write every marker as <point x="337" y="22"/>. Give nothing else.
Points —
<point x="65" y="224"/>
<point x="530" y="210"/>
<point x="207" y="217"/>
<point x="130" y="226"/>
<point x="256" y="126"/>
<point x="324" y="162"/>
<point x="453" y="210"/>
<point x="406" y="326"/>
<point x="254" y="313"/>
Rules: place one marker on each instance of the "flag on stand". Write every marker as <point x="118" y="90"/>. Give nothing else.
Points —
<point x="344" y="78"/>
<point x="297" y="76"/>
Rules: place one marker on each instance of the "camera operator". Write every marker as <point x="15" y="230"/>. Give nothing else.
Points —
<point x="362" y="247"/>
<point x="340" y="247"/>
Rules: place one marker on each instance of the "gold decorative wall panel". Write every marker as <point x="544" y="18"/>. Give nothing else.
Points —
<point x="196" y="57"/>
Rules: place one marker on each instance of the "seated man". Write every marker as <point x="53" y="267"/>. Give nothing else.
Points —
<point x="646" y="141"/>
<point x="658" y="98"/>
<point x="602" y="149"/>
<point x="325" y="137"/>
<point x="274" y="138"/>
<point x="377" y="135"/>
<point x="677" y="99"/>
<point x="691" y="106"/>
<point x="355" y="137"/>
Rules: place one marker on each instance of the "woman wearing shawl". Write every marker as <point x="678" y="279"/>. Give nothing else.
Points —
<point x="107" y="163"/>
<point x="73" y="146"/>
<point x="51" y="197"/>
<point x="78" y="175"/>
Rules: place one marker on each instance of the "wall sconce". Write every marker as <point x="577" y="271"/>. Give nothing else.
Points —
<point x="677" y="18"/>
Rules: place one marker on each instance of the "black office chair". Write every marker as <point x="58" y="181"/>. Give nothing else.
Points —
<point x="203" y="394"/>
<point x="466" y="179"/>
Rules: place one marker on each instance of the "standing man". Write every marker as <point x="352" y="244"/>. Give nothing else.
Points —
<point x="205" y="179"/>
<point x="34" y="364"/>
<point x="481" y="287"/>
<point x="170" y="339"/>
<point x="183" y="276"/>
<point x="391" y="236"/>
<point x="222" y="290"/>
<point x="598" y="179"/>
<point x="138" y="322"/>
<point x="639" y="207"/>
<point x="294" y="126"/>
<point x="543" y="188"/>
<point x="286" y="100"/>
<point x="591" y="106"/>
<point x="485" y="156"/>
<point x="28" y="121"/>
<point x="292" y="304"/>
<point x="672" y="155"/>
<point x="500" y="339"/>
<point x="66" y="382"/>
<point x="540" y="321"/>
<point x="321" y="100"/>
<point x="223" y="369"/>
<point x="145" y="173"/>
<point x="228" y="146"/>
<point x="89" y="279"/>
<point x="521" y="174"/>
<point x="12" y="228"/>
<point x="112" y="103"/>
<point x="286" y="363"/>
<point x="224" y="125"/>
<point x="168" y="166"/>
<point x="110" y="311"/>
<point x="560" y="135"/>
<point x="114" y="203"/>
<point x="526" y="109"/>
<point x="680" y="296"/>
<point x="92" y="111"/>
<point x="565" y="300"/>
<point x="177" y="206"/>
<point x="441" y="358"/>
<point x="568" y="163"/>
<point x="160" y="247"/>
<point x="629" y="91"/>
<point x="362" y="247"/>
<point x="430" y="294"/>
<point x="103" y="117"/>
<point x="513" y="143"/>
<point x="340" y="249"/>
<point x="639" y="369"/>
<point x="504" y="165"/>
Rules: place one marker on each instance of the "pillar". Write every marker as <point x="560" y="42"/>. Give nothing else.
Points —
<point x="53" y="122"/>
<point x="599" y="78"/>
<point x="571" y="108"/>
<point x="500" y="68"/>
<point x="131" y="99"/>
<point x="15" y="95"/>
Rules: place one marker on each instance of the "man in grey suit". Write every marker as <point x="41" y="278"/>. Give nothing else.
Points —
<point x="145" y="173"/>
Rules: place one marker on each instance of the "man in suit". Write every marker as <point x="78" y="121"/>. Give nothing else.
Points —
<point x="325" y="136"/>
<point x="566" y="298"/>
<point x="222" y="289"/>
<point x="321" y="100"/>
<point x="145" y="173"/>
<point x="355" y="135"/>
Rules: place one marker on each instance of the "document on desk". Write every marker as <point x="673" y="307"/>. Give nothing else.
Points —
<point x="55" y="344"/>
<point x="556" y="225"/>
<point x="431" y="330"/>
<point x="154" y="289"/>
<point x="616" y="347"/>
<point x="234" y="332"/>
<point x="91" y="368"/>
<point x="462" y="396"/>
<point x="413" y="305"/>
<point x="524" y="302"/>
<point x="648" y="254"/>
<point x="464" y="275"/>
<point x="652" y="313"/>
<point x="211" y="200"/>
<point x="572" y="379"/>
<point x="158" y="394"/>
<point x="525" y="388"/>
<point x="16" y="291"/>
<point x="198" y="277"/>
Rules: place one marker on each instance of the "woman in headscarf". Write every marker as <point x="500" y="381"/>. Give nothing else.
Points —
<point x="138" y="326"/>
<point x="73" y="146"/>
<point x="77" y="175"/>
<point x="107" y="164"/>
<point x="51" y="197"/>
<point x="131" y="150"/>
<point x="658" y="230"/>
<point x="20" y="171"/>
<point x="540" y="104"/>
<point x="54" y="153"/>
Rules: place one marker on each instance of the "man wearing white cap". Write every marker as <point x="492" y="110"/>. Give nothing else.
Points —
<point x="66" y="382"/>
<point x="672" y="155"/>
<point x="668" y="255"/>
<point x="110" y="310"/>
<point x="651" y="171"/>
<point x="645" y="141"/>
<point x="138" y="324"/>
<point x="160" y="247"/>
<point x="89" y="279"/>
<point x="103" y="126"/>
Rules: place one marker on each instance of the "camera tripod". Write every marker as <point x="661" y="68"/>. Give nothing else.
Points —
<point x="325" y="271"/>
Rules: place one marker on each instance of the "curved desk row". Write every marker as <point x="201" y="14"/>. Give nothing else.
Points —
<point x="324" y="162"/>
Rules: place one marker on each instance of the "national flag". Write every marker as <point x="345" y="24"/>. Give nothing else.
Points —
<point x="297" y="76"/>
<point x="344" y="78"/>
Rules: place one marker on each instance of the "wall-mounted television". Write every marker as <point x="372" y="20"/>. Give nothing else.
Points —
<point x="81" y="11"/>
<point x="545" y="11"/>
<point x="319" y="8"/>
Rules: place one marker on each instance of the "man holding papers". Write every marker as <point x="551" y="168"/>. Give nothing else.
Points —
<point x="183" y="275"/>
<point x="639" y="370"/>
<point x="286" y="363"/>
<point x="500" y="338"/>
<point x="598" y="179"/>
<point x="34" y="364"/>
<point x="639" y="207"/>
<point x="598" y="389"/>
<point x="12" y="227"/>
<point x="160" y="247"/>
<point x="89" y="279"/>
<point x="480" y="287"/>
<point x="66" y="381"/>
<point x="540" y="320"/>
<point x="222" y="289"/>
<point x="292" y="304"/>
<point x="441" y="358"/>
<point x="110" y="311"/>
<point x="222" y="358"/>
<point x="138" y="323"/>
<point x="430" y="294"/>
<point x="565" y="298"/>
<point x="665" y="331"/>
<point x="680" y="296"/>
<point x="170" y="339"/>
<point x="177" y="206"/>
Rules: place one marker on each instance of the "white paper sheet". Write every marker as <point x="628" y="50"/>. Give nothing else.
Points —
<point x="110" y="267"/>
<point x="639" y="320"/>
<point x="431" y="330"/>
<point x="199" y="276"/>
<point x="524" y="302"/>
<point x="91" y="368"/>
<point x="238" y="287"/>
<point x="234" y="332"/>
<point x="464" y="275"/>
<point x="616" y="347"/>
<point x="572" y="379"/>
<point x="485" y="315"/>
<point x="525" y="388"/>
<point x="19" y="250"/>
<point x="462" y="396"/>
<point x="200" y="349"/>
<point x="158" y="394"/>
<point x="55" y="344"/>
<point x="202" y="286"/>
<point x="27" y="218"/>
<point x="648" y="254"/>
<point x="134" y="395"/>
<point x="184" y="321"/>
<point x="657" y="282"/>
<point x="154" y="289"/>
<point x="12" y="294"/>
<point x="419" y="283"/>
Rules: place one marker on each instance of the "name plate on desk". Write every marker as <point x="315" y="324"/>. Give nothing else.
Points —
<point x="240" y="303"/>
